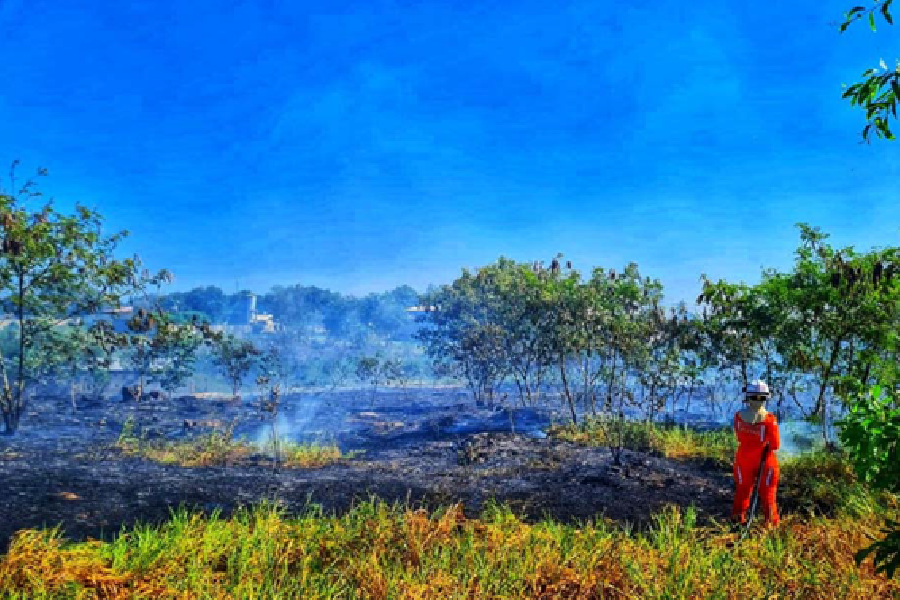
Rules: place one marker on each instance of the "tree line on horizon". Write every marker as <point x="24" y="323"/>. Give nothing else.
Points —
<point x="301" y="306"/>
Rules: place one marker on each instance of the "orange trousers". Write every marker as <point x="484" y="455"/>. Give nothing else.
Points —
<point x="746" y="468"/>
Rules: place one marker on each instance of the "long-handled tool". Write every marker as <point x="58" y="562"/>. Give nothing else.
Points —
<point x="754" y="499"/>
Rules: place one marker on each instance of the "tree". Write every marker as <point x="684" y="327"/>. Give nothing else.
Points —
<point x="369" y="369"/>
<point x="337" y="370"/>
<point x="879" y="91"/>
<point x="270" y="369"/>
<point x="176" y="354"/>
<point x="68" y="353"/>
<point x="396" y="370"/>
<point x="462" y="332"/>
<point x="565" y="304"/>
<point x="730" y="331"/>
<point x="627" y="314"/>
<point x="163" y="350"/>
<point x="54" y="267"/>
<point x="236" y="358"/>
<point x="835" y="313"/>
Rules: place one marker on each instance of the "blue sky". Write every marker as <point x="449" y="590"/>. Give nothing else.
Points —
<point x="363" y="145"/>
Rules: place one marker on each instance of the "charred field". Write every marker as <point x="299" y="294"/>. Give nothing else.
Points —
<point x="423" y="447"/>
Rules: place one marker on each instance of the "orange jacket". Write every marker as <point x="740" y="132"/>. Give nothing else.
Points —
<point x="753" y="437"/>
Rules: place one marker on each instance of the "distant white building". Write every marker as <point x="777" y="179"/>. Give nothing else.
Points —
<point x="413" y="311"/>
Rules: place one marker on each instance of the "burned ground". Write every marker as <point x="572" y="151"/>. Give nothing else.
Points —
<point x="426" y="448"/>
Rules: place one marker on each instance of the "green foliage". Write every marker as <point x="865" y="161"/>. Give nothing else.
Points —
<point x="871" y="435"/>
<point x="879" y="92"/>
<point x="831" y="317"/>
<point x="464" y="333"/>
<point x="53" y="268"/>
<point x="161" y="349"/>
<point x="368" y="369"/>
<point x="377" y="369"/>
<point x="209" y="301"/>
<point x="70" y="353"/>
<point x="886" y="551"/>
<point x="236" y="358"/>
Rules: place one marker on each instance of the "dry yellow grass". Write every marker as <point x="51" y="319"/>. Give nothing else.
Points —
<point x="380" y="551"/>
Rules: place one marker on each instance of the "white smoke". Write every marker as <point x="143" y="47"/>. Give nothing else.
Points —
<point x="296" y="422"/>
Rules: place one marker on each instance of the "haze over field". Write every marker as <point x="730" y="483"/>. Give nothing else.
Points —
<point x="359" y="146"/>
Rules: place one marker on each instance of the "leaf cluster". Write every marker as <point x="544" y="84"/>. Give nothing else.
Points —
<point x="878" y="93"/>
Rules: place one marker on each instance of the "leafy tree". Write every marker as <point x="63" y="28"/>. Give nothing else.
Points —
<point x="236" y="358"/>
<point x="337" y="370"/>
<point x="54" y="267"/>
<point x="440" y="371"/>
<point x="369" y="369"/>
<point x="162" y="350"/>
<point x="270" y="368"/>
<point x="178" y="345"/>
<point x="564" y="334"/>
<point x="625" y="307"/>
<point x="69" y="353"/>
<point x="521" y="297"/>
<point x="397" y="371"/>
<point x="836" y="312"/>
<point x="463" y="332"/>
<point x="730" y="330"/>
<point x="879" y="91"/>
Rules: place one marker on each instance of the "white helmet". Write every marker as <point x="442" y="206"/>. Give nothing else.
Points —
<point x="757" y="388"/>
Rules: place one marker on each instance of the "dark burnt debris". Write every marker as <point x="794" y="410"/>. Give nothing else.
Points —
<point x="429" y="448"/>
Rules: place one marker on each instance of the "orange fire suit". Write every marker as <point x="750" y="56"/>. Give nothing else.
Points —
<point x="751" y="440"/>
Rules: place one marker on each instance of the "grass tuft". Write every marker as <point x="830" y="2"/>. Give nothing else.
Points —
<point x="220" y="449"/>
<point x="670" y="441"/>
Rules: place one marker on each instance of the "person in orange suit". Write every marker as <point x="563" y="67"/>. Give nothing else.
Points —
<point x="755" y="428"/>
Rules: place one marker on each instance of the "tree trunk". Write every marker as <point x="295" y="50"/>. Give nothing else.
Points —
<point x="611" y="383"/>
<point x="21" y="383"/>
<point x="7" y="401"/>
<point x="587" y="385"/>
<point x="275" y="439"/>
<point x="519" y="387"/>
<point x="687" y="408"/>
<point x="528" y="397"/>
<point x="826" y="375"/>
<point x="565" y="382"/>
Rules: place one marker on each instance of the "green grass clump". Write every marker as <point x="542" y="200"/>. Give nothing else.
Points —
<point x="214" y="449"/>
<point x="823" y="483"/>
<point x="221" y="449"/>
<point x="308" y="455"/>
<point x="669" y="440"/>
